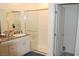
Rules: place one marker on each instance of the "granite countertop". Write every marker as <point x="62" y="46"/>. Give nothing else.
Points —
<point x="4" y="39"/>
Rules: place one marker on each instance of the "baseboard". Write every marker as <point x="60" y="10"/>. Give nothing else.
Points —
<point x="68" y="52"/>
<point x="72" y="54"/>
<point x="39" y="52"/>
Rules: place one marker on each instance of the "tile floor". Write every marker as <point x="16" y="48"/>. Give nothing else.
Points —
<point x="33" y="54"/>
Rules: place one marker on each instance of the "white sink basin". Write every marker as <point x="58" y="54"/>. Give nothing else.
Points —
<point x="17" y="35"/>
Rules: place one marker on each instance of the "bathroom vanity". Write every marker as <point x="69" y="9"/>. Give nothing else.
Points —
<point x="16" y="45"/>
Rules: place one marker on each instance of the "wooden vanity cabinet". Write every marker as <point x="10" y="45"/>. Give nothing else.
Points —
<point x="23" y="45"/>
<point x="4" y="49"/>
<point x="16" y="47"/>
<point x="12" y="48"/>
<point x="19" y="46"/>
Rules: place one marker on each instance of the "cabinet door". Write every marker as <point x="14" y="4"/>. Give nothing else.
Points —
<point x="12" y="48"/>
<point x="4" y="49"/>
<point x="26" y="44"/>
<point x="19" y="46"/>
<point x="23" y="46"/>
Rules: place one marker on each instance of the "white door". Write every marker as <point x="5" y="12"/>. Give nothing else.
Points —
<point x="23" y="45"/>
<point x="70" y="27"/>
<point x="59" y="29"/>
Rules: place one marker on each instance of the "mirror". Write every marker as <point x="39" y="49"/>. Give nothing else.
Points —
<point x="13" y="19"/>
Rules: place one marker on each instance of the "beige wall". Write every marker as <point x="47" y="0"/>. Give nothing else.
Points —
<point x="23" y="6"/>
<point x="18" y="6"/>
<point x="42" y="5"/>
<point x="43" y="31"/>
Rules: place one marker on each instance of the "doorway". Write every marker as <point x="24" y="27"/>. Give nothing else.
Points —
<point x="65" y="29"/>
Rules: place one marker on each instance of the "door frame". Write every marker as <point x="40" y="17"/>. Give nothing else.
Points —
<point x="59" y="10"/>
<point x="52" y="9"/>
<point x="56" y="22"/>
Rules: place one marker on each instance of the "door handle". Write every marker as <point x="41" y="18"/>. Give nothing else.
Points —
<point x="60" y="34"/>
<point x="54" y="34"/>
<point x="63" y="34"/>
